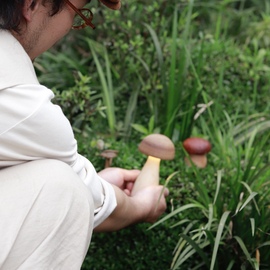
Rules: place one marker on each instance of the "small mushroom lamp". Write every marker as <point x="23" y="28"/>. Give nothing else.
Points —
<point x="109" y="155"/>
<point x="197" y="148"/>
<point x="156" y="147"/>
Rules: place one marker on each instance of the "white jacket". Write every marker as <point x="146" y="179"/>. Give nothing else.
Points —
<point x="32" y="127"/>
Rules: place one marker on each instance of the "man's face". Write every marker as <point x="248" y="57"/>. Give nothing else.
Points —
<point x="43" y="31"/>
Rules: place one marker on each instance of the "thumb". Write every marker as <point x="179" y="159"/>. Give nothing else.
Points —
<point x="166" y="192"/>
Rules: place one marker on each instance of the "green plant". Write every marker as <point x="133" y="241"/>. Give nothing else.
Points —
<point x="230" y="224"/>
<point x="66" y="62"/>
<point x="178" y="103"/>
<point x="147" y="130"/>
<point x="80" y="103"/>
<point x="174" y="92"/>
<point x="106" y="82"/>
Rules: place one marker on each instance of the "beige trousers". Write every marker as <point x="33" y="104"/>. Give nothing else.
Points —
<point x="46" y="217"/>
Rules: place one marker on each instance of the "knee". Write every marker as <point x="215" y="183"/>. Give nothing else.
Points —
<point x="50" y="172"/>
<point x="56" y="180"/>
<point x="53" y="170"/>
<point x="59" y="175"/>
<point x="62" y="190"/>
<point x="54" y="210"/>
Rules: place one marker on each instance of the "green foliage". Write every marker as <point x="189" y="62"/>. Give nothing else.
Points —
<point x="79" y="103"/>
<point x="235" y="210"/>
<point x="183" y="68"/>
<point x="106" y="82"/>
<point x="135" y="244"/>
<point x="147" y="130"/>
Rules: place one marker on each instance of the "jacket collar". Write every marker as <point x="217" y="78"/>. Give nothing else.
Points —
<point x="15" y="66"/>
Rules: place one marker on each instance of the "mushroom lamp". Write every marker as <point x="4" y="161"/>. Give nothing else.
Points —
<point x="109" y="155"/>
<point x="197" y="148"/>
<point x="157" y="147"/>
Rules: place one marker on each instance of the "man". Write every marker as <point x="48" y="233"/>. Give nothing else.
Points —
<point x="51" y="198"/>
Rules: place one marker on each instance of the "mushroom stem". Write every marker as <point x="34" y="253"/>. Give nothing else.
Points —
<point x="148" y="176"/>
<point x="199" y="160"/>
<point x="108" y="163"/>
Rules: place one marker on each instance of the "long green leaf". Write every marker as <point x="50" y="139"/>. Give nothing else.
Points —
<point x="218" y="238"/>
<point x="171" y="91"/>
<point x="188" y="252"/>
<point x="252" y="223"/>
<point x="197" y="248"/>
<point x="106" y="86"/>
<point x="210" y="217"/>
<point x="250" y="197"/>
<point x="157" y="45"/>
<point x="245" y="251"/>
<point x="177" y="211"/>
<point x="250" y="192"/>
<point x="218" y="185"/>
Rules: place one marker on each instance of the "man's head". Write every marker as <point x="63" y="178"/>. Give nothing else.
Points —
<point x="11" y="11"/>
<point x="39" y="24"/>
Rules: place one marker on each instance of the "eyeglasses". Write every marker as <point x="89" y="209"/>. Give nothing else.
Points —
<point x="83" y="17"/>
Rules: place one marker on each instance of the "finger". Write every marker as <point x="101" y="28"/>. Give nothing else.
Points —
<point x="130" y="175"/>
<point x="129" y="185"/>
<point x="128" y="192"/>
<point x="166" y="192"/>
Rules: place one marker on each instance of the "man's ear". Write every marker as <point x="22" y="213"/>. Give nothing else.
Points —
<point x="29" y="8"/>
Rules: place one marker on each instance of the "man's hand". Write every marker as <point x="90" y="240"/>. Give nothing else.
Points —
<point x="152" y="202"/>
<point x="122" y="178"/>
<point x="146" y="205"/>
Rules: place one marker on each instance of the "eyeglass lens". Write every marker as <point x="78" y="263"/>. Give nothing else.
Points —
<point x="78" y="20"/>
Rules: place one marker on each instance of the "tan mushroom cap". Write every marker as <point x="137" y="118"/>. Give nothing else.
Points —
<point x="197" y="146"/>
<point x="157" y="145"/>
<point x="109" y="153"/>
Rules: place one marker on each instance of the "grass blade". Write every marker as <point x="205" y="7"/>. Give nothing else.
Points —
<point x="218" y="186"/>
<point x="177" y="211"/>
<point x="106" y="85"/>
<point x="218" y="238"/>
<point x="250" y="197"/>
<point x="245" y="251"/>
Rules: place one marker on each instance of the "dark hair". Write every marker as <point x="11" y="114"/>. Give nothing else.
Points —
<point x="11" y="12"/>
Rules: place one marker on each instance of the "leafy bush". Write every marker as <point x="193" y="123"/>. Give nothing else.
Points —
<point x="184" y="68"/>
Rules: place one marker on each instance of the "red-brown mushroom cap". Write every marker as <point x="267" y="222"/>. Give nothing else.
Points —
<point x="197" y="146"/>
<point x="157" y="145"/>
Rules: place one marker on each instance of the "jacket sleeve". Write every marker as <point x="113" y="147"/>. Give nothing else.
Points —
<point x="38" y="129"/>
